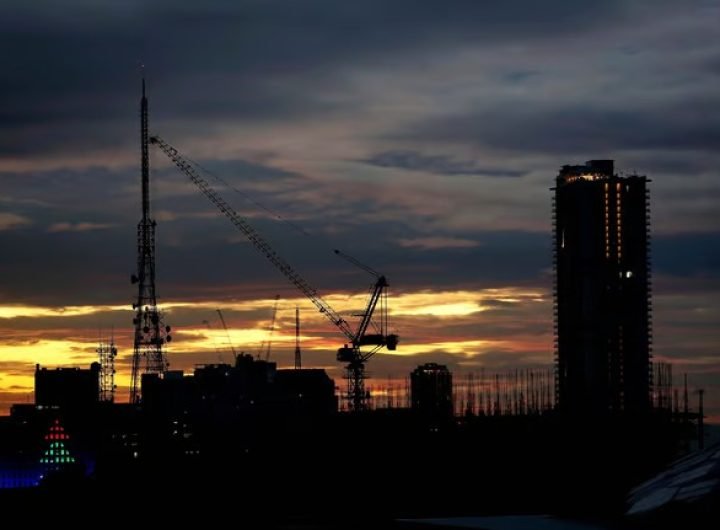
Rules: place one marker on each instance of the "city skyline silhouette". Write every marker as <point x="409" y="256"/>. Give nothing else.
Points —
<point x="385" y="221"/>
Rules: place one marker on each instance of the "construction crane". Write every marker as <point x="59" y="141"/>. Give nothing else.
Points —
<point x="350" y="353"/>
<point x="267" y="342"/>
<point x="217" y="350"/>
<point x="227" y="333"/>
<point x="271" y="330"/>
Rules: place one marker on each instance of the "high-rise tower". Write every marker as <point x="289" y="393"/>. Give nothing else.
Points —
<point x="602" y="291"/>
<point x="150" y="334"/>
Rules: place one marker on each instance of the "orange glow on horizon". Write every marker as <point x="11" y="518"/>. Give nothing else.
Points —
<point x="437" y="303"/>
<point x="428" y="322"/>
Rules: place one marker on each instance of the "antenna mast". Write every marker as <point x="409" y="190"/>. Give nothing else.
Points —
<point x="150" y="334"/>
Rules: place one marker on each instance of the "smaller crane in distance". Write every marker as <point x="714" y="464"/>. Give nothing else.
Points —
<point x="271" y="330"/>
<point x="227" y="333"/>
<point x="217" y="350"/>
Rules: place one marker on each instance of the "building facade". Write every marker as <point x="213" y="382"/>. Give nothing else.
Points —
<point x="431" y="390"/>
<point x="602" y="290"/>
<point x="71" y="389"/>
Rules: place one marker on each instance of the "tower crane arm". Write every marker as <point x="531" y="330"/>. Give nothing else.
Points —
<point x="357" y="263"/>
<point x="378" y="295"/>
<point x="272" y="328"/>
<point x="378" y="291"/>
<point x="253" y="236"/>
<point x="227" y="333"/>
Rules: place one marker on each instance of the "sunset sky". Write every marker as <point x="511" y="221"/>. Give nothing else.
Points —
<point x="419" y="136"/>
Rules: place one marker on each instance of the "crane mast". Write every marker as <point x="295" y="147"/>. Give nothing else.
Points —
<point x="350" y="353"/>
<point x="271" y="330"/>
<point x="227" y="333"/>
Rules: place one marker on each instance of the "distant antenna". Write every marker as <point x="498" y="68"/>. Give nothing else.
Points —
<point x="150" y="334"/>
<point x="298" y="357"/>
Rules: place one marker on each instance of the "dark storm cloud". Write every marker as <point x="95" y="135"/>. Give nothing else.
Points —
<point x="520" y="76"/>
<point x="713" y="65"/>
<point x="243" y="174"/>
<point x="99" y="195"/>
<point x="69" y="81"/>
<point x="199" y="250"/>
<point x="84" y="229"/>
<point x="580" y="129"/>
<point x="104" y="259"/>
<point x="439" y="164"/>
<point x="44" y="194"/>
<point x="692" y="195"/>
<point x="653" y="163"/>
<point x="687" y="255"/>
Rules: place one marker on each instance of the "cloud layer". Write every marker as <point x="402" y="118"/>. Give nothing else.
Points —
<point x="419" y="137"/>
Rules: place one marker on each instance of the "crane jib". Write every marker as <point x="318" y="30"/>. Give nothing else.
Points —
<point x="356" y="337"/>
<point x="350" y="354"/>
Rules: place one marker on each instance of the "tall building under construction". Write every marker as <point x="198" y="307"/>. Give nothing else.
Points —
<point x="602" y="290"/>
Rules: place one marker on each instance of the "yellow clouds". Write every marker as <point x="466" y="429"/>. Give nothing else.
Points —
<point x="458" y="303"/>
<point x="24" y="311"/>
<point x="48" y="352"/>
<point x="27" y="311"/>
<point x="439" y="310"/>
<point x="468" y="348"/>
<point x="18" y="359"/>
<point x="242" y="339"/>
<point x="430" y="303"/>
<point x="412" y="313"/>
<point x="19" y="382"/>
<point x="475" y="325"/>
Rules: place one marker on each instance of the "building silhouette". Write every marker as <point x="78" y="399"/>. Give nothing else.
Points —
<point x="602" y="291"/>
<point x="229" y="393"/>
<point x="431" y="390"/>
<point x="67" y="388"/>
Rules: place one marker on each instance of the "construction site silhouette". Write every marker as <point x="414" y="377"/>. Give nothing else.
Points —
<point x="247" y="441"/>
